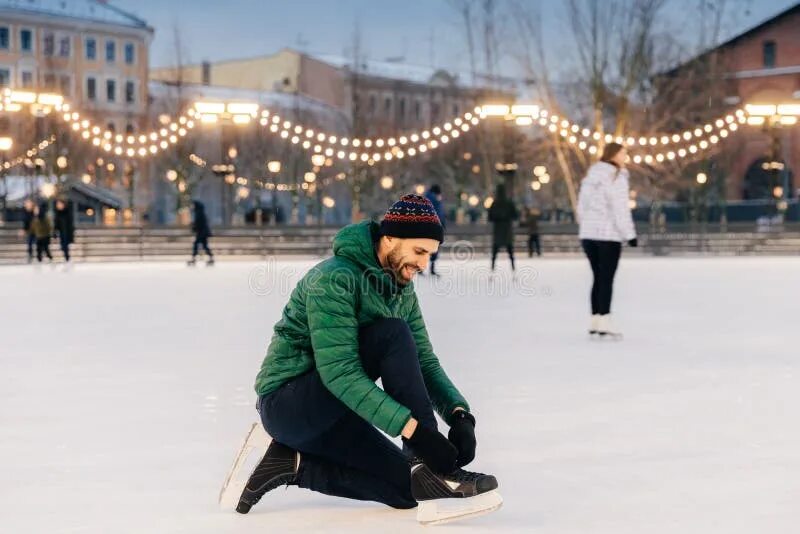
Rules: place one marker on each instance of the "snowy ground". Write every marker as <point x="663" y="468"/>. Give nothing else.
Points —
<point x="125" y="390"/>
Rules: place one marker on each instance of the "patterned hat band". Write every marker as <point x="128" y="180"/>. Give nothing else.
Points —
<point x="412" y="216"/>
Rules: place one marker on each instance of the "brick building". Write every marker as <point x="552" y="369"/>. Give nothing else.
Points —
<point x="759" y="66"/>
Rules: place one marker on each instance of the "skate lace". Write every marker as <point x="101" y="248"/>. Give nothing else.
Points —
<point x="460" y="475"/>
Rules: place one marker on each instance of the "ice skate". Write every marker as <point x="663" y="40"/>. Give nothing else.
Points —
<point x="605" y="329"/>
<point x="192" y="262"/>
<point x="250" y="452"/>
<point x="595" y="324"/>
<point x="278" y="467"/>
<point x="459" y="495"/>
<point x="210" y="262"/>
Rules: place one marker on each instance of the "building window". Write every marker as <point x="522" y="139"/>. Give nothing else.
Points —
<point x="64" y="47"/>
<point x="26" y="40"/>
<point x="91" y="88"/>
<point x="129" y="129"/>
<point x="111" y="90"/>
<point x="5" y="78"/>
<point x="417" y="110"/>
<point x="371" y="105"/>
<point x="91" y="48"/>
<point x="4" y="37"/>
<point x="27" y="79"/>
<point x="387" y="106"/>
<point x="111" y="51"/>
<point x="455" y="109"/>
<point x="49" y="42"/>
<point x="130" y="53"/>
<point x="49" y="82"/>
<point x="65" y="84"/>
<point x="111" y="127"/>
<point x="769" y="54"/>
<point x="130" y="92"/>
<point x="402" y="108"/>
<point x="434" y="112"/>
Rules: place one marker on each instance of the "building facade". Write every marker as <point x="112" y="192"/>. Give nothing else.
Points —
<point x="759" y="66"/>
<point x="92" y="53"/>
<point x="378" y="96"/>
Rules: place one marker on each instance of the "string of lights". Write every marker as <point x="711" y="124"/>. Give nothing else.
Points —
<point x="30" y="153"/>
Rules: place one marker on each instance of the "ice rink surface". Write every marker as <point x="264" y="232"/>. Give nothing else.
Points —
<point x="126" y="389"/>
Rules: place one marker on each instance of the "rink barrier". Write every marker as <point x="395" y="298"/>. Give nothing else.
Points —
<point x="172" y="244"/>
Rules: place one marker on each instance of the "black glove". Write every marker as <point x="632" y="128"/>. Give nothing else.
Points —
<point x="633" y="242"/>
<point x="462" y="435"/>
<point x="434" y="449"/>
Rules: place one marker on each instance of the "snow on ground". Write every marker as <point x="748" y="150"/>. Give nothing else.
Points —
<point x="126" y="389"/>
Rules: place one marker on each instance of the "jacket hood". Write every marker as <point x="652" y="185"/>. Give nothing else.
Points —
<point x="601" y="171"/>
<point x="356" y="243"/>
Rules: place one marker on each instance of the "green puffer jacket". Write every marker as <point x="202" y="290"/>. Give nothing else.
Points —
<point x="319" y="330"/>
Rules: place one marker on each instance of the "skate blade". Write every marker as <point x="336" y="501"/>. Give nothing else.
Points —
<point x="440" y="511"/>
<point x="256" y="442"/>
<point x="606" y="337"/>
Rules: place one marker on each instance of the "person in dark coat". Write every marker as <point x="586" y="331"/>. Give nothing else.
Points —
<point x="434" y="195"/>
<point x="64" y="226"/>
<point x="41" y="229"/>
<point x="27" y="220"/>
<point x="502" y="215"/>
<point x="202" y="232"/>
<point x="532" y="223"/>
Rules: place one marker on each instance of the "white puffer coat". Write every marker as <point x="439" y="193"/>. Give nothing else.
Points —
<point x="603" y="210"/>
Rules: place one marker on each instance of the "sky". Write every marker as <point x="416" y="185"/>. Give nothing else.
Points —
<point x="424" y="32"/>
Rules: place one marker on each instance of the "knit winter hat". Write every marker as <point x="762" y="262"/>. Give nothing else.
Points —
<point x="412" y="216"/>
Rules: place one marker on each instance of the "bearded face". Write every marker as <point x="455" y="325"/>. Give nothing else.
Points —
<point x="407" y="257"/>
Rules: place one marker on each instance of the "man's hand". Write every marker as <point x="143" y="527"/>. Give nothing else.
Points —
<point x="434" y="449"/>
<point x="462" y="435"/>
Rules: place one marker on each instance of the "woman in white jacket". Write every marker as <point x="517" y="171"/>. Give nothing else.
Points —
<point x="605" y="223"/>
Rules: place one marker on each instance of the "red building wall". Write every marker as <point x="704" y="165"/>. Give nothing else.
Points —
<point x="755" y="83"/>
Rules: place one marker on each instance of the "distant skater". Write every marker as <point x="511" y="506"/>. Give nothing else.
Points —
<point x="434" y="195"/>
<point x="202" y="232"/>
<point x="27" y="219"/>
<point x="502" y="215"/>
<point x="532" y="223"/>
<point x="64" y="226"/>
<point x="605" y="223"/>
<point x="41" y="229"/>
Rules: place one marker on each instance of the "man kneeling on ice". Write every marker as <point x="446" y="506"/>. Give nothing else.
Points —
<point x="352" y="319"/>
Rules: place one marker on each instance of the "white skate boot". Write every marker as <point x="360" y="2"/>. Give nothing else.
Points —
<point x="606" y="329"/>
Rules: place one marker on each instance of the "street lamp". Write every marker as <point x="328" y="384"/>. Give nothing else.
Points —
<point x="535" y="185"/>
<point x="772" y="117"/>
<point x="701" y="178"/>
<point x="318" y="160"/>
<point x="545" y="178"/>
<point x="172" y="175"/>
<point x="5" y="144"/>
<point x="62" y="162"/>
<point x="309" y="177"/>
<point x="387" y="182"/>
<point x="274" y="166"/>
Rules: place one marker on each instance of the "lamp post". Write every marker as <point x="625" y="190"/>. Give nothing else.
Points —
<point x="773" y="118"/>
<point x="274" y="167"/>
<point x="5" y="145"/>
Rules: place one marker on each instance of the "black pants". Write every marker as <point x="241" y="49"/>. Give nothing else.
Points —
<point x="43" y="247"/>
<point x="434" y="257"/>
<point x="496" y="248"/>
<point x="341" y="453"/>
<point x="201" y="241"/>
<point x="534" y="245"/>
<point x="31" y="243"/>
<point x="604" y="258"/>
<point x="64" y="242"/>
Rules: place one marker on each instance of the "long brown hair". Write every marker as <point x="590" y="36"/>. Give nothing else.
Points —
<point x="610" y="151"/>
